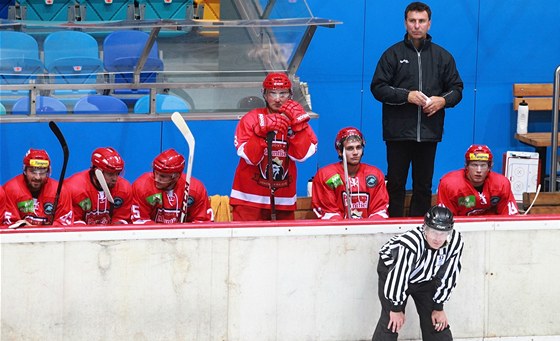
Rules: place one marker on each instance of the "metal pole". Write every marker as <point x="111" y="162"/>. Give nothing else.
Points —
<point x="554" y="141"/>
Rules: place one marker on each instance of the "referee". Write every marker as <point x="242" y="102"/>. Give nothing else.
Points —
<point x="422" y="263"/>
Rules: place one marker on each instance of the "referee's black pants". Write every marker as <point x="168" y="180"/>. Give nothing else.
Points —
<point x="422" y="294"/>
<point x="400" y="156"/>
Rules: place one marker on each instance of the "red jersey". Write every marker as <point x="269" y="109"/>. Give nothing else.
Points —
<point x="368" y="194"/>
<point x="250" y="183"/>
<point x="151" y="205"/>
<point x="458" y="194"/>
<point x="39" y="211"/>
<point x="90" y="205"/>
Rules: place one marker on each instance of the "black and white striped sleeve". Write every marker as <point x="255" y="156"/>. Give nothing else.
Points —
<point x="448" y="273"/>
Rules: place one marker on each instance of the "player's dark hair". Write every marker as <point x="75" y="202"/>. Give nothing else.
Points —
<point x="418" y="7"/>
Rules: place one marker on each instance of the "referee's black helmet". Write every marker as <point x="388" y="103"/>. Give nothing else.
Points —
<point x="439" y="218"/>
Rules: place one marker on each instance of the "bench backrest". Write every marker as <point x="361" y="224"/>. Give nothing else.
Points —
<point x="538" y="95"/>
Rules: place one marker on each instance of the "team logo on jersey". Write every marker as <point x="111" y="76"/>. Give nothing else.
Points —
<point x="334" y="181"/>
<point x="85" y="204"/>
<point x="190" y="201"/>
<point x="26" y="206"/>
<point x="494" y="201"/>
<point x="468" y="201"/>
<point x="371" y="181"/>
<point x="118" y="202"/>
<point x="48" y="208"/>
<point x="155" y="199"/>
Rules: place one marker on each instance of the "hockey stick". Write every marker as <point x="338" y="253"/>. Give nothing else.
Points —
<point x="534" y="199"/>
<point x="347" y="184"/>
<point x="269" y="137"/>
<point x="66" y="154"/>
<point x="180" y="123"/>
<point x="103" y="184"/>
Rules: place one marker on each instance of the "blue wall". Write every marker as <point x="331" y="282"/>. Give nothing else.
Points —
<point x="495" y="43"/>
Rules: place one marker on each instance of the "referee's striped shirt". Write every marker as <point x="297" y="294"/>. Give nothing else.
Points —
<point x="411" y="260"/>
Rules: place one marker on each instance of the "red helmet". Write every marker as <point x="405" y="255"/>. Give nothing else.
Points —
<point x="107" y="159"/>
<point x="36" y="158"/>
<point x="277" y="81"/>
<point x="169" y="161"/>
<point x="478" y="152"/>
<point x="345" y="133"/>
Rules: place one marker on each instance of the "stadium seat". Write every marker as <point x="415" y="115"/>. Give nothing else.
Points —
<point x="165" y="104"/>
<point x="42" y="10"/>
<point x="19" y="58"/>
<point x="121" y="53"/>
<point x="44" y="105"/>
<point x="99" y="10"/>
<point x="2" y="109"/>
<point x="76" y="63"/>
<point x="4" y="5"/>
<point x="99" y="104"/>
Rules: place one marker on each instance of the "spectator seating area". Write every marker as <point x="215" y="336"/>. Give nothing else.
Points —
<point x="74" y="57"/>
<point x="96" y="10"/>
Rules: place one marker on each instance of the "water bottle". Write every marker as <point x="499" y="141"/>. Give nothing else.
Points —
<point x="522" y="117"/>
<point x="309" y="187"/>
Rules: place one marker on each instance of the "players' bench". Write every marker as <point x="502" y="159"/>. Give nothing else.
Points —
<point x="546" y="203"/>
<point x="538" y="96"/>
<point x="305" y="211"/>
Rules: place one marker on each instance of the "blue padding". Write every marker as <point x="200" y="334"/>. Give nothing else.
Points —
<point x="165" y="104"/>
<point x="99" y="104"/>
<point x="45" y="105"/>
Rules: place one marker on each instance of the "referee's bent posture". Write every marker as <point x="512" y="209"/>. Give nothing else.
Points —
<point x="422" y="263"/>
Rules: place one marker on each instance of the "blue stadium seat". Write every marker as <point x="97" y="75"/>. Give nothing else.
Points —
<point x="76" y="62"/>
<point x="165" y="104"/>
<point x="42" y="10"/>
<point x="4" y="5"/>
<point x="2" y="109"/>
<point x="99" y="10"/>
<point x="44" y="105"/>
<point x="174" y="9"/>
<point x="99" y="104"/>
<point x="121" y="52"/>
<point x="19" y="58"/>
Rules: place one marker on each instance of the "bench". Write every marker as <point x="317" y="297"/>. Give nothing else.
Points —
<point x="305" y="211"/>
<point x="539" y="98"/>
<point x="547" y="203"/>
<point x="537" y="95"/>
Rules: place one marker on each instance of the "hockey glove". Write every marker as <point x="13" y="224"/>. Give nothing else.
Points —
<point x="271" y="122"/>
<point x="296" y="113"/>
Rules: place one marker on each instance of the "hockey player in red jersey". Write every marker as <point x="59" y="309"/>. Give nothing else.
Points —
<point x="158" y="195"/>
<point x="90" y="203"/>
<point x="368" y="195"/>
<point x="32" y="194"/>
<point x="294" y="141"/>
<point x="476" y="190"/>
<point x="6" y="211"/>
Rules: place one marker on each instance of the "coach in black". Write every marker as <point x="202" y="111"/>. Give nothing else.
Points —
<point x="422" y="263"/>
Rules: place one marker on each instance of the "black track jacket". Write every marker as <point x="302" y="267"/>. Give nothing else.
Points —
<point x="401" y="69"/>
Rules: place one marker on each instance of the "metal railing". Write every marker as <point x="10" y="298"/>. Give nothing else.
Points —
<point x="554" y="141"/>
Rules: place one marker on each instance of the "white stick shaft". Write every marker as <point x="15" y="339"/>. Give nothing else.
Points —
<point x="347" y="184"/>
<point x="534" y="199"/>
<point x="180" y="123"/>
<point x="103" y="184"/>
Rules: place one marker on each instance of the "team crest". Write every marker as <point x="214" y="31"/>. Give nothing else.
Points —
<point x="48" y="208"/>
<point x="371" y="181"/>
<point x="118" y="202"/>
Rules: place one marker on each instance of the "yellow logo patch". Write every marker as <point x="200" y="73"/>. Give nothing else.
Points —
<point x="39" y="163"/>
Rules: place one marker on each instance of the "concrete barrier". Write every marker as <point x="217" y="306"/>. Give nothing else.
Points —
<point x="264" y="282"/>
